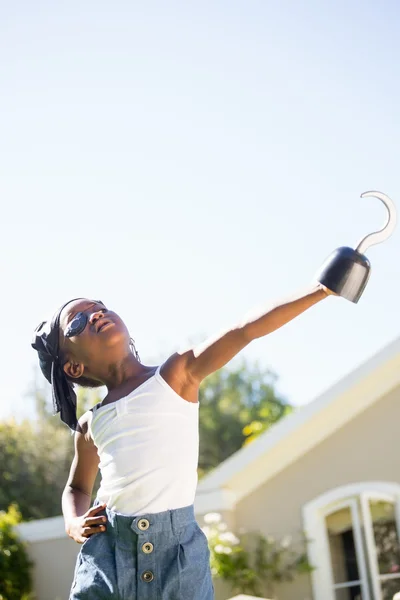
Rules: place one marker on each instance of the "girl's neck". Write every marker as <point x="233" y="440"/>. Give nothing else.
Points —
<point x="120" y="371"/>
<point x="129" y="383"/>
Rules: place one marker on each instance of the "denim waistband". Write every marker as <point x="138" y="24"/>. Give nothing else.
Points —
<point x="167" y="521"/>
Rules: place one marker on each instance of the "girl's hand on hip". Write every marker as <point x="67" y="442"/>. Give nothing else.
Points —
<point x="80" y="528"/>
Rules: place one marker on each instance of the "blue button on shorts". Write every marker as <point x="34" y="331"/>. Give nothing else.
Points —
<point x="162" y="556"/>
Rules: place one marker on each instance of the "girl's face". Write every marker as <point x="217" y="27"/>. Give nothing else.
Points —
<point x="89" y="332"/>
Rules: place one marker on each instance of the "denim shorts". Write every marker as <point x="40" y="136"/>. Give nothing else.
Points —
<point x="163" y="556"/>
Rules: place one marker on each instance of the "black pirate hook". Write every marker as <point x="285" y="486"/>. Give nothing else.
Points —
<point x="346" y="271"/>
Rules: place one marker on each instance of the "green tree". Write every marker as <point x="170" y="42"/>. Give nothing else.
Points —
<point x="35" y="458"/>
<point x="33" y="467"/>
<point x="236" y="404"/>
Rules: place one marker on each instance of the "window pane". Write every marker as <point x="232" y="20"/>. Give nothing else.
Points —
<point x="386" y="538"/>
<point x="389" y="588"/>
<point x="350" y="593"/>
<point x="342" y="549"/>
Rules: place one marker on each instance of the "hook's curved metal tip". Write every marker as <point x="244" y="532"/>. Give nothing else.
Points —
<point x="375" y="194"/>
<point x="387" y="230"/>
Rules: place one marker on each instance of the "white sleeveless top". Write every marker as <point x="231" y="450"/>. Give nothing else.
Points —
<point x="148" y="444"/>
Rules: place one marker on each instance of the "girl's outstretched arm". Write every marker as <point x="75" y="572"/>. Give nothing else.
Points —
<point x="202" y="360"/>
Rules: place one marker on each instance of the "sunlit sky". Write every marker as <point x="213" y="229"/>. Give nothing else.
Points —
<point x="186" y="162"/>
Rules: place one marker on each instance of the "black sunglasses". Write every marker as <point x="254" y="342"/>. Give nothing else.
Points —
<point x="78" y="323"/>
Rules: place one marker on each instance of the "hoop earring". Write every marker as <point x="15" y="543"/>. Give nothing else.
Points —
<point x="133" y="349"/>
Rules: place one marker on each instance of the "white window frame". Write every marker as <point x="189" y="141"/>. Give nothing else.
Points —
<point x="358" y="543"/>
<point x="365" y="497"/>
<point x="314" y="514"/>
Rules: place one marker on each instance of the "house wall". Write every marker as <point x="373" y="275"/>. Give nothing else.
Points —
<point x="366" y="449"/>
<point x="54" y="564"/>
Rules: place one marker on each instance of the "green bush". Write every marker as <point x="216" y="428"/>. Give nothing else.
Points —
<point x="15" y="566"/>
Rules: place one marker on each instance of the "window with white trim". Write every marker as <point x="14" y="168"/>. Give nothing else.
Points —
<point x="356" y="544"/>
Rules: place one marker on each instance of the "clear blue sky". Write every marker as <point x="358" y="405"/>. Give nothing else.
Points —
<point x="188" y="161"/>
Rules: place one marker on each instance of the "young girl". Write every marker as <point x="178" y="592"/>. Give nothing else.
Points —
<point x="140" y="539"/>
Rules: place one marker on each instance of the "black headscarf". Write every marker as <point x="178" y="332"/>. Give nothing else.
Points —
<point x="46" y="343"/>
